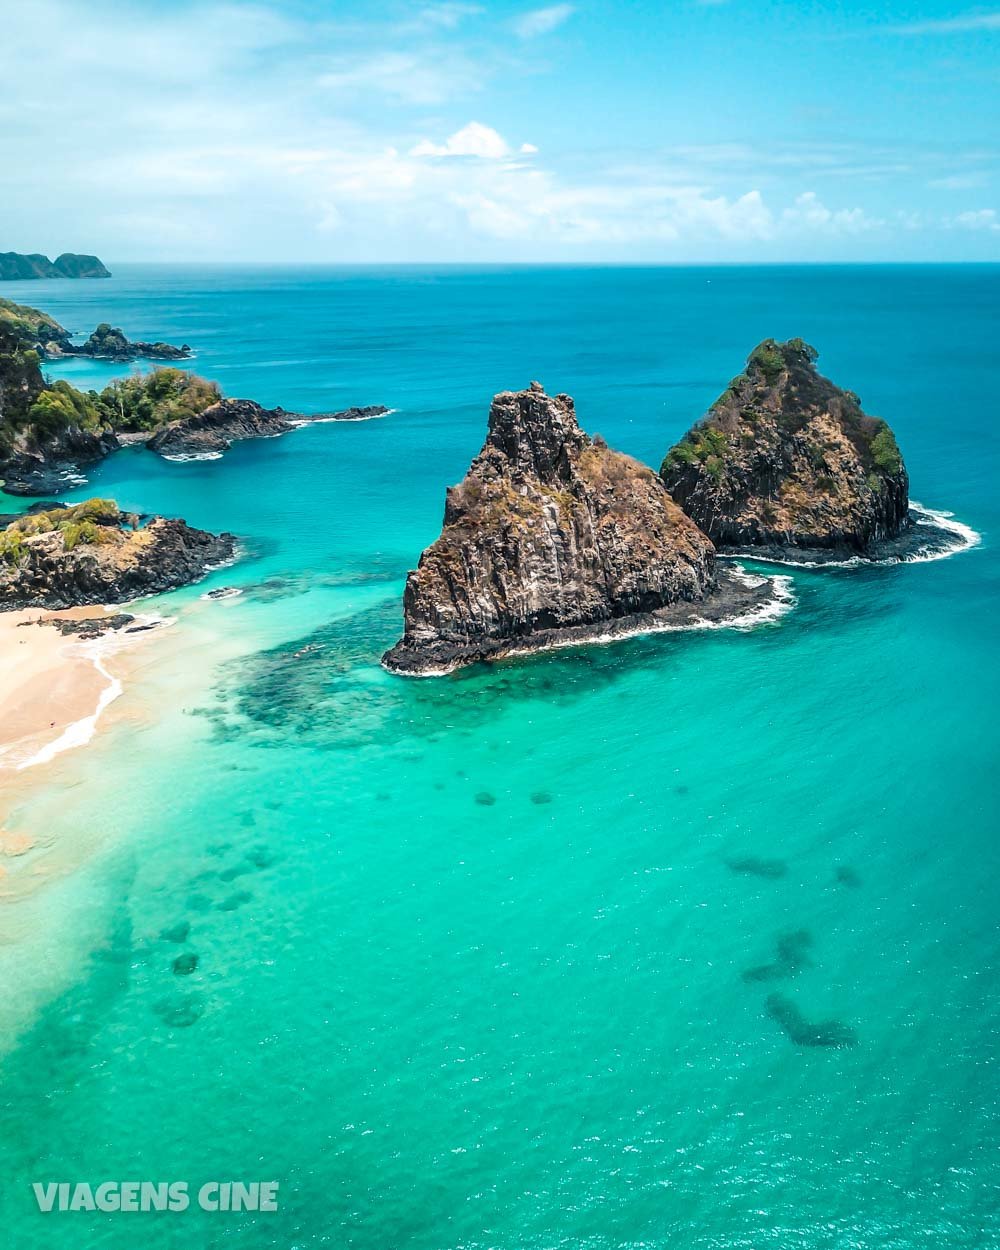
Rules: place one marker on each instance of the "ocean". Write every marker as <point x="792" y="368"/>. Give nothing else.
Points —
<point x="529" y="956"/>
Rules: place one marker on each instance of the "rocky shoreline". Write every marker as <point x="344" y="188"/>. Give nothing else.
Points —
<point x="93" y="553"/>
<point x="735" y="601"/>
<point x="788" y="463"/>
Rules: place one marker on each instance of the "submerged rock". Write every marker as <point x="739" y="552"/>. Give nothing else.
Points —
<point x="785" y="461"/>
<point x="552" y="538"/>
<point x="95" y="553"/>
<point x="803" y="1032"/>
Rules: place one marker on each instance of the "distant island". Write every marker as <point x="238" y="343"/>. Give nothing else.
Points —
<point x="18" y="266"/>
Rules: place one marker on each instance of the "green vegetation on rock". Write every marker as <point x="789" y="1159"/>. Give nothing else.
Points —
<point x="704" y="444"/>
<point x="885" y="451"/>
<point x="83" y="523"/>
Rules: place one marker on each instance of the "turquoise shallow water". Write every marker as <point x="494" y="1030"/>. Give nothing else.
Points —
<point x="473" y="952"/>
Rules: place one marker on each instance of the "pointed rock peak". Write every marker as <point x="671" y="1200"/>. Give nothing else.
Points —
<point x="534" y="431"/>
<point x="786" y="459"/>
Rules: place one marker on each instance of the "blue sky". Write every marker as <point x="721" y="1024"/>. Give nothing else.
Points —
<point x="701" y="130"/>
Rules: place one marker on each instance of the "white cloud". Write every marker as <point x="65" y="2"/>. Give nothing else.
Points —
<point x="528" y="149"/>
<point x="978" y="219"/>
<point x="951" y="25"/>
<point x="406" y="77"/>
<point x="811" y="213"/>
<point x="541" y="21"/>
<point x="475" y="139"/>
<point x="448" y="15"/>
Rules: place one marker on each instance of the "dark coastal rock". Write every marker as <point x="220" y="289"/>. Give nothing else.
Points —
<point x="786" y="462"/>
<point x="88" y="627"/>
<point x="214" y="430"/>
<point x="551" y="538"/>
<point x="349" y="414"/>
<point x="109" y="343"/>
<point x="231" y="420"/>
<point x="18" y="266"/>
<point x="44" y="463"/>
<point x="185" y="964"/>
<point x="94" y="553"/>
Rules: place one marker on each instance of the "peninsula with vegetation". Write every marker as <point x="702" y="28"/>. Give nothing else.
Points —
<point x="50" y="430"/>
<point x="21" y="266"/>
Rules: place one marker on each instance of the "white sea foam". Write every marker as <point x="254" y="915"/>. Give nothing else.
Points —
<point x="375" y="416"/>
<point x="781" y="602"/>
<point x="964" y="537"/>
<point x="186" y="457"/>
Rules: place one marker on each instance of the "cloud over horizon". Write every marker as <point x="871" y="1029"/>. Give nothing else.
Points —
<point x="435" y="131"/>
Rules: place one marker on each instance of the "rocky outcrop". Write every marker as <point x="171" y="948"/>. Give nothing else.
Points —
<point x="231" y="420"/>
<point x="109" y="343"/>
<point x="214" y="430"/>
<point x="786" y="462"/>
<point x="18" y="266"/>
<point x="552" y="538"/>
<point x="94" y="553"/>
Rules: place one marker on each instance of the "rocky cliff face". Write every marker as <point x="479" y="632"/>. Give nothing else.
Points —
<point x="552" y="537"/>
<point x="785" y="461"/>
<point x="93" y="553"/>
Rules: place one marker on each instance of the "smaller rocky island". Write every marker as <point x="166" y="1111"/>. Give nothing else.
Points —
<point x="94" y="553"/>
<point x="553" y="538"/>
<point x="109" y="343"/>
<point x="19" y="266"/>
<point x="37" y="331"/>
<point x="788" y="467"/>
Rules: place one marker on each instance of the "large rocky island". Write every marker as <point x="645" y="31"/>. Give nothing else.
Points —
<point x="785" y="463"/>
<point x="554" y="538"/>
<point x="93" y="553"/>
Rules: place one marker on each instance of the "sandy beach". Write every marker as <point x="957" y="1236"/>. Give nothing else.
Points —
<point x="55" y="687"/>
<point x="47" y="683"/>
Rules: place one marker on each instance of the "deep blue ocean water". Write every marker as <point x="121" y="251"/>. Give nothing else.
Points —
<point x="474" y="952"/>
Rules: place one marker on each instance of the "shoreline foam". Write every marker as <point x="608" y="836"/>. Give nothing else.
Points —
<point x="939" y="520"/>
<point x="778" y="604"/>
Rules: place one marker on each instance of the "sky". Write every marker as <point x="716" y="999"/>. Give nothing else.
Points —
<point x="591" y="131"/>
